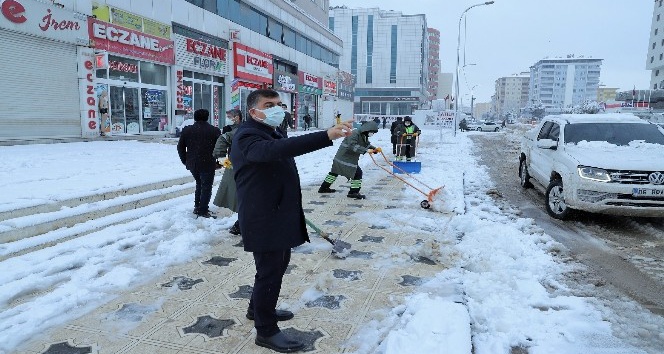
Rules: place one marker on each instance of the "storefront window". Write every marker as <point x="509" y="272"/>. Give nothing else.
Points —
<point x="153" y="74"/>
<point x="122" y="69"/>
<point x="155" y="113"/>
<point x="202" y="96"/>
<point x="200" y="76"/>
<point x="188" y="101"/>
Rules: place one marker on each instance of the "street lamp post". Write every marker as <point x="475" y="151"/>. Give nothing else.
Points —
<point x="456" y="82"/>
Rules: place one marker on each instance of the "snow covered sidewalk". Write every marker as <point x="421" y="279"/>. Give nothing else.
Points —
<point x="156" y="279"/>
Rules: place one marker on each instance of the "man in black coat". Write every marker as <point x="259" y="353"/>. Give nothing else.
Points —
<point x="195" y="149"/>
<point x="393" y="138"/>
<point x="270" y="206"/>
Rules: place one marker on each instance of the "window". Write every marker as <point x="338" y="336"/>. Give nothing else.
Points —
<point x="123" y="69"/>
<point x="393" y="56"/>
<point x="289" y="37"/>
<point x="657" y="72"/>
<point x="369" y="72"/>
<point x="222" y="8"/>
<point x="657" y="17"/>
<point x="275" y="29"/>
<point x="653" y="45"/>
<point x="300" y="43"/>
<point x="210" y="5"/>
<point x="330" y="23"/>
<point x="656" y="30"/>
<point x="660" y="56"/>
<point x="652" y="59"/>
<point x="233" y="11"/>
<point x="353" y="53"/>
<point x="153" y="74"/>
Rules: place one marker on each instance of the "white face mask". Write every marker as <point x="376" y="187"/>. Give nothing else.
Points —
<point x="273" y="116"/>
<point x="229" y="121"/>
<point x="371" y="133"/>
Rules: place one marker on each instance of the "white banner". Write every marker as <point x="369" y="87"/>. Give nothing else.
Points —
<point x="44" y="20"/>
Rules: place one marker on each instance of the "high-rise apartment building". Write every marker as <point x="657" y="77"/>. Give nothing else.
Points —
<point x="564" y="82"/>
<point x="511" y="93"/>
<point x="387" y="54"/>
<point x="655" y="60"/>
<point x="433" y="36"/>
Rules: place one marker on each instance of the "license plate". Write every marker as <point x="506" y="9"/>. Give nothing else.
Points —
<point x="647" y="192"/>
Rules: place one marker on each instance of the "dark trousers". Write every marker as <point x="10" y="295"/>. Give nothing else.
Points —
<point x="203" y="191"/>
<point x="270" y="270"/>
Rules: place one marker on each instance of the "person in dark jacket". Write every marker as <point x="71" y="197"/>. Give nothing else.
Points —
<point x="195" y="149"/>
<point x="288" y="119"/>
<point x="408" y="133"/>
<point x="393" y="139"/>
<point x="384" y="122"/>
<point x="226" y="193"/>
<point x="270" y="206"/>
<point x="307" y="121"/>
<point x="346" y="160"/>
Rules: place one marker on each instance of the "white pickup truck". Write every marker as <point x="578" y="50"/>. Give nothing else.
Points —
<point x="602" y="163"/>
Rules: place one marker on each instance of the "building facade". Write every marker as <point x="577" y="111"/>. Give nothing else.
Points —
<point x="433" y="36"/>
<point x="445" y="86"/>
<point x="387" y="54"/>
<point x="511" y="93"/>
<point x="143" y="67"/>
<point x="560" y="83"/>
<point x="655" y="58"/>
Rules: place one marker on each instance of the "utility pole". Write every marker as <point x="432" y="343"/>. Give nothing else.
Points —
<point x="472" y="112"/>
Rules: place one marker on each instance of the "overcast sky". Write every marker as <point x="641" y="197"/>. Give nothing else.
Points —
<point x="511" y="35"/>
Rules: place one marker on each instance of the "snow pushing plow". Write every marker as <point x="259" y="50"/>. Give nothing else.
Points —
<point x="426" y="203"/>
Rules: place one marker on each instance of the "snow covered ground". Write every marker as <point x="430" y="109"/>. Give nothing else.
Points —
<point x="512" y="275"/>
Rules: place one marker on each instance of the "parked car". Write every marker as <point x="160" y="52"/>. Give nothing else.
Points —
<point x="485" y="126"/>
<point x="600" y="163"/>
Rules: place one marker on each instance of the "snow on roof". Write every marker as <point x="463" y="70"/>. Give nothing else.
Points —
<point x="599" y="118"/>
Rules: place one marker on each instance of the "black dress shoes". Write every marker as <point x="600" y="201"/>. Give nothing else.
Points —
<point x="282" y="315"/>
<point x="279" y="343"/>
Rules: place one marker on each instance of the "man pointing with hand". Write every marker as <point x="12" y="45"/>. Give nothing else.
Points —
<point x="270" y="206"/>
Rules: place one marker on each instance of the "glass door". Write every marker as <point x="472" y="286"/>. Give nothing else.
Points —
<point x="155" y="113"/>
<point x="125" y="110"/>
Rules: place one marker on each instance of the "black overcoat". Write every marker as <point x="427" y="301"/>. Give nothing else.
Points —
<point x="268" y="185"/>
<point x="196" y="144"/>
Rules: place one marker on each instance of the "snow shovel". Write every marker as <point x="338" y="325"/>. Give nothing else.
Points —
<point x="339" y="247"/>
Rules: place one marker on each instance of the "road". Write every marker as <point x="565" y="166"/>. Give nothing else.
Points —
<point x="620" y="253"/>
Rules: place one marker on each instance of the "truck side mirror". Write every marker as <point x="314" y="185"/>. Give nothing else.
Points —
<point x="547" y="144"/>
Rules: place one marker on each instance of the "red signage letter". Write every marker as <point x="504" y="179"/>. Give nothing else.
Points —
<point x="13" y="11"/>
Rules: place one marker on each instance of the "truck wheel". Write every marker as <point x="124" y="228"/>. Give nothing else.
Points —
<point x="479" y="129"/>
<point x="425" y="204"/>
<point x="497" y="129"/>
<point x="555" y="202"/>
<point x="524" y="175"/>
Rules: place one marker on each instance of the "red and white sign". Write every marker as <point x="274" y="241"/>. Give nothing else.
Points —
<point x="329" y="87"/>
<point x="179" y="89"/>
<point x="252" y="64"/>
<point x="89" y="104"/>
<point x="44" y="20"/>
<point x="310" y="80"/>
<point x="101" y="60"/>
<point x="201" y="56"/>
<point x="125" y="41"/>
